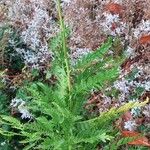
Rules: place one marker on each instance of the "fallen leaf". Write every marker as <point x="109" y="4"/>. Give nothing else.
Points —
<point x="142" y="140"/>
<point x="130" y="134"/>
<point x="144" y="39"/>
<point x="114" y="8"/>
<point x="114" y="26"/>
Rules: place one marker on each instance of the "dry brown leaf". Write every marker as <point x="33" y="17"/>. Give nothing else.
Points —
<point x="144" y="39"/>
<point x="114" y="8"/>
<point x="142" y="140"/>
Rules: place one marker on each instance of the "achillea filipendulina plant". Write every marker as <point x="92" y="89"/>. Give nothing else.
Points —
<point x="59" y="121"/>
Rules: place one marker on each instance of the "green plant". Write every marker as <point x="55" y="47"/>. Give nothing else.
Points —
<point x="9" y="41"/>
<point x="58" y="120"/>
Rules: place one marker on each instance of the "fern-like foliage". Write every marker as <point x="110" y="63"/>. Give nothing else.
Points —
<point x="58" y="121"/>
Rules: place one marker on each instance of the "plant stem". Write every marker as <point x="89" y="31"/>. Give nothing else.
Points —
<point x="66" y="58"/>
